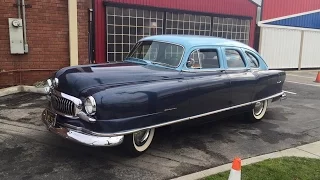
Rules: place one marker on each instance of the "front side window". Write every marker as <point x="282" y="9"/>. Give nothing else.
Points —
<point x="204" y="59"/>
<point x="253" y="61"/>
<point x="161" y="53"/>
<point x="234" y="59"/>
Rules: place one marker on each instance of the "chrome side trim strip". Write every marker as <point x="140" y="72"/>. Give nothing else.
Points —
<point x="168" y="123"/>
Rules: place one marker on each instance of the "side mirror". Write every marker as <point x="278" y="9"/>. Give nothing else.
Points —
<point x="190" y="63"/>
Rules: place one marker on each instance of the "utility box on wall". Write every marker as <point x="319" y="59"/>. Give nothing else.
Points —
<point x="16" y="36"/>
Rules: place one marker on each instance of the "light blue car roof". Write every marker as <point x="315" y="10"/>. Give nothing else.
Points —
<point x="189" y="41"/>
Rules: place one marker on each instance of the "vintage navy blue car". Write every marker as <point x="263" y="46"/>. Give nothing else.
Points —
<point x="164" y="80"/>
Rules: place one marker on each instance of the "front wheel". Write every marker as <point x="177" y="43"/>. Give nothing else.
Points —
<point x="258" y="111"/>
<point x="137" y="143"/>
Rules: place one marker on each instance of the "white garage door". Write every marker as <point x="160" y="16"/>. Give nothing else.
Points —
<point x="311" y="50"/>
<point x="280" y="47"/>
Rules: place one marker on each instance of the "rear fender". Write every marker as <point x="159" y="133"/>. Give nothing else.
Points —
<point x="269" y="82"/>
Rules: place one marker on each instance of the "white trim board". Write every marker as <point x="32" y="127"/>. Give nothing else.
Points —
<point x="289" y="16"/>
<point x="287" y="27"/>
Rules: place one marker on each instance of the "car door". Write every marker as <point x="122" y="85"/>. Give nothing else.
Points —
<point x="243" y="81"/>
<point x="209" y="85"/>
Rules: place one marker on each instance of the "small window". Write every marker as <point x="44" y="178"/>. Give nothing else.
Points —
<point x="253" y="61"/>
<point x="204" y="59"/>
<point x="234" y="59"/>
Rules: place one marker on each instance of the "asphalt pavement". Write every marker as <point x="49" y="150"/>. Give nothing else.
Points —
<point x="28" y="151"/>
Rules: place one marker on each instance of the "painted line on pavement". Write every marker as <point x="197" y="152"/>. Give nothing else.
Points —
<point x="303" y="83"/>
<point x="301" y="76"/>
<point x="289" y="92"/>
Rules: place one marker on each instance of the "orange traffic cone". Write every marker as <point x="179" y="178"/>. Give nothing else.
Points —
<point x="318" y="77"/>
<point x="235" y="173"/>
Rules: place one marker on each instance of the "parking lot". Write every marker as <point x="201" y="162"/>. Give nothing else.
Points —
<point x="28" y="151"/>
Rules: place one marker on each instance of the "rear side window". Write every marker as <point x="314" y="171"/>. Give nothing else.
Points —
<point x="204" y="59"/>
<point x="234" y="59"/>
<point x="253" y="61"/>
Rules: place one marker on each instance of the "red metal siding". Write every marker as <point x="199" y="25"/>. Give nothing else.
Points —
<point x="227" y="7"/>
<point x="100" y="31"/>
<point x="278" y="8"/>
<point x="231" y="7"/>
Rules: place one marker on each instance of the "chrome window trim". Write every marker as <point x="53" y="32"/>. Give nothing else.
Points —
<point x="224" y="49"/>
<point x="205" y="69"/>
<point x="80" y="129"/>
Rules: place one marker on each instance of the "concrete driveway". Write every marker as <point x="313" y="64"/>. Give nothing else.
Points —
<point x="28" y="151"/>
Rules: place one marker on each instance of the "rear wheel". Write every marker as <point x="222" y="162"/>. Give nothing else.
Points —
<point x="137" y="143"/>
<point x="258" y="111"/>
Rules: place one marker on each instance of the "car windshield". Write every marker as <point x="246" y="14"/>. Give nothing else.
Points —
<point x="159" y="53"/>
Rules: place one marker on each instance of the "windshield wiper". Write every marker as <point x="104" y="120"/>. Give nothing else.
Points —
<point x="137" y="60"/>
<point x="160" y="63"/>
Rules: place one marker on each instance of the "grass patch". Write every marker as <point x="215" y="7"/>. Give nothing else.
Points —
<point x="286" y="168"/>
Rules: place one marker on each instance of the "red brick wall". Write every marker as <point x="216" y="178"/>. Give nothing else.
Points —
<point x="48" y="39"/>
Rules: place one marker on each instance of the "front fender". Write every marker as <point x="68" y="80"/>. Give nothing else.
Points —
<point x="130" y="100"/>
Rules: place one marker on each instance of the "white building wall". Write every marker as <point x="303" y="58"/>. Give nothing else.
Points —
<point x="280" y="48"/>
<point x="311" y="50"/>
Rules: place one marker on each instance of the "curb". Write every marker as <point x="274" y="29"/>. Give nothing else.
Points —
<point x="21" y="88"/>
<point x="311" y="150"/>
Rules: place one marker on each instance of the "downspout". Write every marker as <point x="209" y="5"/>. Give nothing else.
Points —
<point x="26" y="46"/>
<point x="19" y="9"/>
<point x="90" y="35"/>
<point x="73" y="32"/>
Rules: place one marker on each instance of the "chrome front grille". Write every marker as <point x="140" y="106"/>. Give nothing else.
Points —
<point x="63" y="105"/>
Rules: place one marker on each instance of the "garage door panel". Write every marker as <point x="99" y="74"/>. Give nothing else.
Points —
<point x="126" y="26"/>
<point x="311" y="50"/>
<point x="280" y="47"/>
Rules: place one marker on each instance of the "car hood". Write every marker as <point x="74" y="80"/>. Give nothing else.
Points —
<point x="93" y="78"/>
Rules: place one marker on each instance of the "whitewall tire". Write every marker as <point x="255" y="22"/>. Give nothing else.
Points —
<point x="137" y="143"/>
<point x="258" y="111"/>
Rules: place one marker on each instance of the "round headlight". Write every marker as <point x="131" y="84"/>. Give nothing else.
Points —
<point x="90" y="105"/>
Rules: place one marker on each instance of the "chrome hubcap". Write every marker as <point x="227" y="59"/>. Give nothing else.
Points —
<point x="258" y="108"/>
<point x="141" y="137"/>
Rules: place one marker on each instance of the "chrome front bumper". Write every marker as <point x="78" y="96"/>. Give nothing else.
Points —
<point x="81" y="137"/>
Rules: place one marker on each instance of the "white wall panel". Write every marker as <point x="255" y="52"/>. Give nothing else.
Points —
<point x="280" y="48"/>
<point x="311" y="50"/>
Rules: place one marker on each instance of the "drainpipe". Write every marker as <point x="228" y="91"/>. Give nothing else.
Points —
<point x="73" y="32"/>
<point x="90" y="35"/>
<point x="19" y="9"/>
<point x="26" y="46"/>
